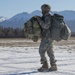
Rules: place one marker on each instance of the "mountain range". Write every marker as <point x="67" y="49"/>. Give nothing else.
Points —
<point x="3" y="18"/>
<point x="18" y="20"/>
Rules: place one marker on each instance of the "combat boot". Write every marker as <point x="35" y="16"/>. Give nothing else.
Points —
<point x="44" y="67"/>
<point x="53" y="67"/>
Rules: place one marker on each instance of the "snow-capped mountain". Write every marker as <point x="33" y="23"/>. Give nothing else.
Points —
<point x="16" y="21"/>
<point x="19" y="19"/>
<point x="3" y="18"/>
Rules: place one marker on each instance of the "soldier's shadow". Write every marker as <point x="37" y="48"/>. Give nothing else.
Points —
<point x="33" y="72"/>
<point x="30" y="72"/>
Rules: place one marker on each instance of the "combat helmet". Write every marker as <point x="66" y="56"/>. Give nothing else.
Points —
<point x="46" y="7"/>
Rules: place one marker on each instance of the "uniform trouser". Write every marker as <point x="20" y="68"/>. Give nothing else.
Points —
<point x="46" y="45"/>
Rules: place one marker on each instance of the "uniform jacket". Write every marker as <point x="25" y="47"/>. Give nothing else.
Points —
<point x="45" y="24"/>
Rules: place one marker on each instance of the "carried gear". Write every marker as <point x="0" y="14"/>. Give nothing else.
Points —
<point x="46" y="7"/>
<point x="44" y="67"/>
<point x="59" y="29"/>
<point x="32" y="29"/>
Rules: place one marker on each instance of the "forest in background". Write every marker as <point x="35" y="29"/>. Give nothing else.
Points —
<point x="15" y="32"/>
<point x="11" y="32"/>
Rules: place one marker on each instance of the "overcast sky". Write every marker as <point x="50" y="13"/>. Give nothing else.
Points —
<point x="9" y="8"/>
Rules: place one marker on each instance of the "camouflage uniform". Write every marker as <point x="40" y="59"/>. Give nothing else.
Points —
<point x="46" y="42"/>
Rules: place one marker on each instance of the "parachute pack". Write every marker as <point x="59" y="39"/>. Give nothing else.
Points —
<point x="59" y="29"/>
<point x="32" y="29"/>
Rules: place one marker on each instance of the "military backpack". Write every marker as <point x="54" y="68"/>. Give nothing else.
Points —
<point x="59" y="29"/>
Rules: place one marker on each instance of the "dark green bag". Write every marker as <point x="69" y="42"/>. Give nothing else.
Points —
<point x="59" y="30"/>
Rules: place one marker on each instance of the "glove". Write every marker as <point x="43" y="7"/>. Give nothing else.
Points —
<point x="36" y="17"/>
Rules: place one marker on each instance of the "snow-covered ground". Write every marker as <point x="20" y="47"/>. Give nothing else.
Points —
<point x="26" y="60"/>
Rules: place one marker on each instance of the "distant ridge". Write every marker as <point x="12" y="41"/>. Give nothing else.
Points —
<point x="19" y="19"/>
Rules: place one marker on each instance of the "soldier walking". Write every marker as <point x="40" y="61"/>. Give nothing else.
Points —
<point x="46" y="44"/>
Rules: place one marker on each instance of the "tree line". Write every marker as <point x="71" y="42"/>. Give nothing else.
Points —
<point x="15" y="32"/>
<point x="11" y="32"/>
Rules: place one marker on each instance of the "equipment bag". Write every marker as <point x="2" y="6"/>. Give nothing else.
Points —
<point x="59" y="29"/>
<point x="32" y="29"/>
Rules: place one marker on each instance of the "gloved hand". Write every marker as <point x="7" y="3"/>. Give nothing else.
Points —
<point x="36" y="17"/>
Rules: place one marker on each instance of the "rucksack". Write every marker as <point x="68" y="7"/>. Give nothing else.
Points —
<point x="32" y="29"/>
<point x="59" y="29"/>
